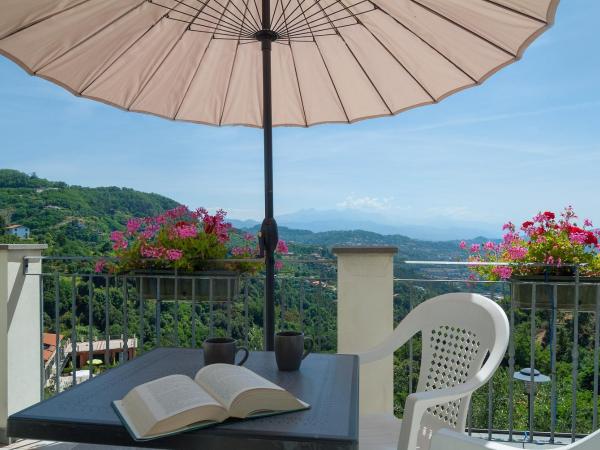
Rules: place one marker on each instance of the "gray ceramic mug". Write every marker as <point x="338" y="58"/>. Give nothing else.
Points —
<point x="222" y="350"/>
<point x="289" y="349"/>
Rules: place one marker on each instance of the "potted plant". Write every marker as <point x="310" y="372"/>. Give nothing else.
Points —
<point x="546" y="250"/>
<point x="173" y="250"/>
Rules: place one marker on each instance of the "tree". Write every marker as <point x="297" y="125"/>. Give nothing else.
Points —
<point x="2" y="225"/>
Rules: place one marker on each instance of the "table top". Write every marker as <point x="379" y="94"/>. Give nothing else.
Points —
<point x="329" y="383"/>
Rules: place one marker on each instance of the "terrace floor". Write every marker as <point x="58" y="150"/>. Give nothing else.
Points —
<point x="31" y="445"/>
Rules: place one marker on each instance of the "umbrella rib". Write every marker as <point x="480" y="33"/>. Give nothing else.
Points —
<point x="332" y="82"/>
<point x="421" y="85"/>
<point x="140" y="37"/>
<point x="217" y="26"/>
<point x="521" y="13"/>
<point x="187" y="89"/>
<point x="229" y="79"/>
<point x="277" y="2"/>
<point x="230" y="21"/>
<point x="414" y="33"/>
<point x="275" y="23"/>
<point x="300" y="14"/>
<point x="35" y="22"/>
<point x="83" y="41"/>
<point x="294" y="24"/>
<point x="301" y="17"/>
<point x="330" y="77"/>
<point x="211" y="28"/>
<point x="453" y="22"/>
<point x="206" y="4"/>
<point x="158" y="67"/>
<point x="360" y="65"/>
<point x="257" y="12"/>
<point x="231" y="74"/>
<point x="332" y="22"/>
<point x="243" y="19"/>
<point x="228" y="84"/>
<point x="244" y="13"/>
<point x="296" y="74"/>
<point x="245" y="10"/>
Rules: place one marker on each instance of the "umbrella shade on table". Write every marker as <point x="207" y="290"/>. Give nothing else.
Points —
<point x="266" y="63"/>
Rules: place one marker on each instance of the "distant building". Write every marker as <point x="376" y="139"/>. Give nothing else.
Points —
<point x="20" y="231"/>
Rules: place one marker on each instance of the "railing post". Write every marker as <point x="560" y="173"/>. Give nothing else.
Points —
<point x="20" y="371"/>
<point x="365" y="317"/>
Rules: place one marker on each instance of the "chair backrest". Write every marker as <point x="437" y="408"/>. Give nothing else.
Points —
<point x="464" y="338"/>
<point x="458" y="331"/>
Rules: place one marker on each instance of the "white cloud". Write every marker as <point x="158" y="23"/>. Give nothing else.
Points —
<point x="366" y="202"/>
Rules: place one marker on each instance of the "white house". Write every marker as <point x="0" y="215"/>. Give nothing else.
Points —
<point x="20" y="231"/>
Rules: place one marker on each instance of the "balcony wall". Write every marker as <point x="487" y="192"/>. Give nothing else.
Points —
<point x="20" y="371"/>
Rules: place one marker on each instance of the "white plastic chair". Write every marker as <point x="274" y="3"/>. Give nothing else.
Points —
<point x="458" y="331"/>
<point x="451" y="440"/>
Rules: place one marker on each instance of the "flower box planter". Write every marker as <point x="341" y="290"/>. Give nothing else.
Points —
<point x="589" y="290"/>
<point x="225" y="285"/>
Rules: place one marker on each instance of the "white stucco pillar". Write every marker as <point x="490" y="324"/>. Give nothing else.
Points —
<point x="365" y="317"/>
<point x="20" y="316"/>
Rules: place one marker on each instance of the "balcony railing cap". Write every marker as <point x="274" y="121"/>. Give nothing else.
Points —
<point x="23" y="246"/>
<point x="365" y="249"/>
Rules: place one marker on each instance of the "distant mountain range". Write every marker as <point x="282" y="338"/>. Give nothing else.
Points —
<point x="349" y="220"/>
<point x="75" y="220"/>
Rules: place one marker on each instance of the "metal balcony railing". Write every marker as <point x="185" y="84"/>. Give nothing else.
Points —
<point x="560" y="321"/>
<point x="173" y="309"/>
<point x="119" y="316"/>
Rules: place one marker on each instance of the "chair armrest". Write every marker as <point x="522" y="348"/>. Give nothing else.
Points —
<point x="441" y="396"/>
<point x="445" y="439"/>
<point x="417" y="403"/>
<point x="401" y="334"/>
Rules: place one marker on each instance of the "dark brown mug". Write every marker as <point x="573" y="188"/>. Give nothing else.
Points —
<point x="222" y="350"/>
<point x="289" y="349"/>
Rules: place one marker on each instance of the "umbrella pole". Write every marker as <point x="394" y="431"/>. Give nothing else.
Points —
<point x="269" y="227"/>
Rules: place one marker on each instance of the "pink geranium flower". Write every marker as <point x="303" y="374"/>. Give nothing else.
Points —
<point x="282" y="247"/>
<point x="504" y="272"/>
<point x="100" y="265"/>
<point x="174" y="255"/>
<point x="490" y="246"/>
<point x="133" y="225"/>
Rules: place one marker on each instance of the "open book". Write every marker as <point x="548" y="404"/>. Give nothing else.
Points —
<point x="177" y="403"/>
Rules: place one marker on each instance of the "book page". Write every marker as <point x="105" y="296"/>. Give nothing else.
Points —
<point x="171" y="395"/>
<point x="225" y="382"/>
<point x="168" y="404"/>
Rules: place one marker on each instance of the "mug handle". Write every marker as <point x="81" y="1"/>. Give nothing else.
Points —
<point x="310" y="346"/>
<point x="241" y="363"/>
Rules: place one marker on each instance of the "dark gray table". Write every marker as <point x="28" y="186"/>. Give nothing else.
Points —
<point x="329" y="383"/>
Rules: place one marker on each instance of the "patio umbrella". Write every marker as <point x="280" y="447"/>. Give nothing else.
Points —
<point x="265" y="63"/>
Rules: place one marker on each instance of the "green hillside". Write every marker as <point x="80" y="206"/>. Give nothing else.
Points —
<point x="72" y="220"/>
<point x="75" y="220"/>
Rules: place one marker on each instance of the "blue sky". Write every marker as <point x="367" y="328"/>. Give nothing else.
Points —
<point x="526" y="140"/>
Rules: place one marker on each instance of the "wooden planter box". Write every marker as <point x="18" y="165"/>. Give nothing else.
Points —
<point x="589" y="292"/>
<point x="224" y="285"/>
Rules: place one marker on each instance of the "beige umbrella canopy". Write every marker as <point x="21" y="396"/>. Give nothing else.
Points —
<point x="265" y="63"/>
<point x="334" y="60"/>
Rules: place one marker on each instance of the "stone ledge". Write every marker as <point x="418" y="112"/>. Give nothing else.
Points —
<point x="23" y="246"/>
<point x="365" y="249"/>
